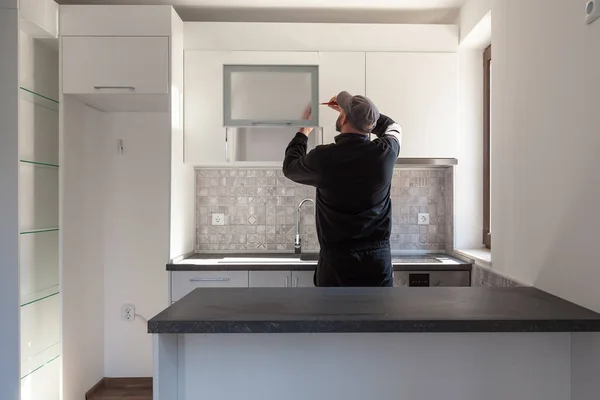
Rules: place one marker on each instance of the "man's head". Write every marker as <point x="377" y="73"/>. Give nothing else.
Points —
<point x="358" y="114"/>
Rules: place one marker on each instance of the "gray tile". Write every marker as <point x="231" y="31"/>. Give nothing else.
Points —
<point x="262" y="202"/>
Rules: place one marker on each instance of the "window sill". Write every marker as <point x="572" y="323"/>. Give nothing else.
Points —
<point x="480" y="256"/>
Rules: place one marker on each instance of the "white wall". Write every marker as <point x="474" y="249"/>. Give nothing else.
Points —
<point x="83" y="187"/>
<point x="545" y="146"/>
<point x="475" y="35"/>
<point x="471" y="14"/>
<point x="468" y="184"/>
<point x="136" y="242"/>
<point x="254" y="36"/>
<point x="183" y="227"/>
<point x="9" y="228"/>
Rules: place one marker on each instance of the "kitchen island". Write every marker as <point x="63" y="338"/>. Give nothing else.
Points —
<point x="375" y="343"/>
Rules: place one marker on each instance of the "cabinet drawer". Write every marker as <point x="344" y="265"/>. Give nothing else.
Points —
<point x="184" y="282"/>
<point x="123" y="65"/>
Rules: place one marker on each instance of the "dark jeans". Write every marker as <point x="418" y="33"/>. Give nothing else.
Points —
<point x="370" y="266"/>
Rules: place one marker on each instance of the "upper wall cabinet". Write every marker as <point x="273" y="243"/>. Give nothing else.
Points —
<point x="338" y="71"/>
<point x="118" y="73"/>
<point x="419" y="91"/>
<point x="270" y="95"/>
<point x="206" y="138"/>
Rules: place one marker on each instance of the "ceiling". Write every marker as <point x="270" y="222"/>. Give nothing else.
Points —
<point x="342" y="11"/>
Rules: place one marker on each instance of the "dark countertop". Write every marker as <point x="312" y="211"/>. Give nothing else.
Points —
<point x="362" y="310"/>
<point x="213" y="262"/>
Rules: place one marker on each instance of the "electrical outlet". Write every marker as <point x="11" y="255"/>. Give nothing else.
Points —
<point x="218" y="219"/>
<point x="423" y="218"/>
<point x="128" y="312"/>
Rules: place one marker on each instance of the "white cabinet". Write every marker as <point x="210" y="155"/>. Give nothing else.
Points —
<point x="303" y="278"/>
<point x="265" y="144"/>
<point x="281" y="278"/>
<point x="205" y="135"/>
<point x="270" y="279"/>
<point x="135" y="67"/>
<point x="338" y="71"/>
<point x="203" y="105"/>
<point x="419" y="91"/>
<point x="183" y="282"/>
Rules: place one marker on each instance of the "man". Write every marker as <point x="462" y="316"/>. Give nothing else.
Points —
<point x="353" y="180"/>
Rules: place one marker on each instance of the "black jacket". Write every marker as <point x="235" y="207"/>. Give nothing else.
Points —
<point x="353" y="180"/>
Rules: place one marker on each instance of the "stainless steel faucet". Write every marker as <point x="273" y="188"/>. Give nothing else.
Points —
<point x="298" y="241"/>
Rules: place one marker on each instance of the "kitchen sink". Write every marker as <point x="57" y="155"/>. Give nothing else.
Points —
<point x="309" y="257"/>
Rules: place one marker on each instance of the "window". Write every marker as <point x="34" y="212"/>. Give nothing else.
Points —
<point x="487" y="134"/>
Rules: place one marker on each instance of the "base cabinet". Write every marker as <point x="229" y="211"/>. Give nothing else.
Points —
<point x="183" y="282"/>
<point x="303" y="279"/>
<point x="270" y="278"/>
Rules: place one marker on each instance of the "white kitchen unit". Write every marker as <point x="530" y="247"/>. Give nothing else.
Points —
<point x="338" y="71"/>
<point x="183" y="282"/>
<point x="208" y="142"/>
<point x="263" y="144"/>
<point x="115" y="65"/>
<point x="270" y="279"/>
<point x="117" y="73"/>
<point x="415" y="344"/>
<point x="126" y="195"/>
<point x="419" y="91"/>
<point x="303" y="279"/>
<point x="291" y="279"/>
<point x="411" y="80"/>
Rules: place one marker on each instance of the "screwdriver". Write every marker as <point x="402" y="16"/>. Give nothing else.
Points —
<point x="330" y="103"/>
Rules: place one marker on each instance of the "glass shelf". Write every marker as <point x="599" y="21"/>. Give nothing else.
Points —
<point x="38" y="361"/>
<point x="40" y="295"/>
<point x="34" y="231"/>
<point x="41" y="164"/>
<point x="39" y="99"/>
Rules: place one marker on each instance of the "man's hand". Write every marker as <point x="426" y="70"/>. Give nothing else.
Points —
<point x="334" y="105"/>
<point x="306" y="116"/>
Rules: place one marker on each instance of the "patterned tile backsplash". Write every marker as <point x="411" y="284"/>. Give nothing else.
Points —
<point x="260" y="210"/>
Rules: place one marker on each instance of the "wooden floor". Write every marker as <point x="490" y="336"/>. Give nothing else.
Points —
<point x="122" y="389"/>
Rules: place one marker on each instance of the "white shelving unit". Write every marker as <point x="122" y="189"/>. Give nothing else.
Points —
<point x="39" y="288"/>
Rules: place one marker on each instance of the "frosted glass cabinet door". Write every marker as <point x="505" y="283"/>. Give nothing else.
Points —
<point x="258" y="95"/>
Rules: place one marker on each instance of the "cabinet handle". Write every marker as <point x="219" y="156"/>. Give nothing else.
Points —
<point x="114" y="87"/>
<point x="226" y="145"/>
<point x="287" y="281"/>
<point x="295" y="282"/>
<point x="271" y="123"/>
<point x="209" y="279"/>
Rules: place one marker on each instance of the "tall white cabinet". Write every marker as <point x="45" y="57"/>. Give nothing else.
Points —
<point x="126" y="195"/>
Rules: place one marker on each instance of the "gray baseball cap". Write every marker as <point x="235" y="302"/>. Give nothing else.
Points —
<point x="361" y="111"/>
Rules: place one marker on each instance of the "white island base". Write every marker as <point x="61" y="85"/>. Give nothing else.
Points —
<point x="378" y="366"/>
